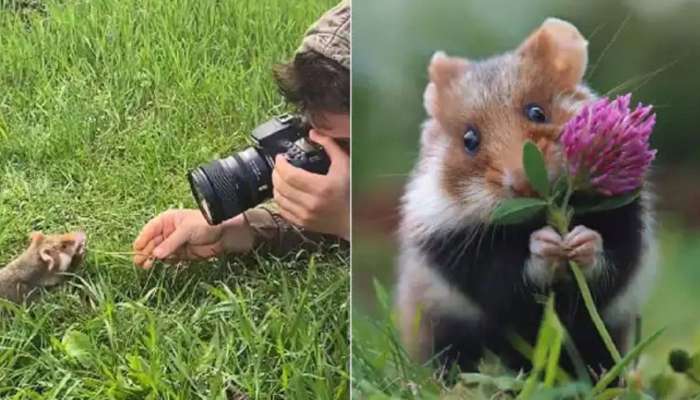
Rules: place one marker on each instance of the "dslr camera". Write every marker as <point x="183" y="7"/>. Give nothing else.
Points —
<point x="229" y="186"/>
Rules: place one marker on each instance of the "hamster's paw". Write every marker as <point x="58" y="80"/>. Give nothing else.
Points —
<point x="584" y="246"/>
<point x="547" y="255"/>
<point x="547" y="244"/>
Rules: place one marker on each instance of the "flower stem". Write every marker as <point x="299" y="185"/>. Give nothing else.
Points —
<point x="569" y="192"/>
<point x="561" y="219"/>
<point x="593" y="311"/>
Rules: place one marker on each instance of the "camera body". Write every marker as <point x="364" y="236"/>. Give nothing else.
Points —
<point x="288" y="135"/>
<point x="227" y="187"/>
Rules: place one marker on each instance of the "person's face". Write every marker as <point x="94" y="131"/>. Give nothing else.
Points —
<point x="335" y="125"/>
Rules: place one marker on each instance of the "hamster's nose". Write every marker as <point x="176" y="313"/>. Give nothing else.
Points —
<point x="518" y="184"/>
<point x="80" y="238"/>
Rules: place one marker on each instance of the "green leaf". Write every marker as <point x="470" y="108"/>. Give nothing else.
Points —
<point x="533" y="163"/>
<point x="78" y="345"/>
<point x="512" y="211"/>
<point x="609" y="203"/>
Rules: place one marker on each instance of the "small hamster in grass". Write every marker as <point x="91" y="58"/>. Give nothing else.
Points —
<point x="42" y="264"/>
<point x="463" y="284"/>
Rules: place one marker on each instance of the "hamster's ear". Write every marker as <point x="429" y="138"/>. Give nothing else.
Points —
<point x="48" y="258"/>
<point x="444" y="68"/>
<point x="430" y="99"/>
<point x="559" y="49"/>
<point x="441" y="71"/>
<point x="36" y="237"/>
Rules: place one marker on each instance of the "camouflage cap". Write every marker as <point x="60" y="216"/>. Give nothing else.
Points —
<point x="330" y="35"/>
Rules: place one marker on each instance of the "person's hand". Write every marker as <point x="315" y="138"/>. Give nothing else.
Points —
<point x="319" y="203"/>
<point x="180" y="235"/>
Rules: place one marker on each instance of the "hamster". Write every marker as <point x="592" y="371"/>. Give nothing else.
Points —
<point x="42" y="264"/>
<point x="464" y="285"/>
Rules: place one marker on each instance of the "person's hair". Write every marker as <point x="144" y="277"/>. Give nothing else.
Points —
<point x="314" y="83"/>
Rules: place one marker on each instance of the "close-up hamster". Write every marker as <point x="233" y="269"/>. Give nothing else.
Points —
<point x="42" y="264"/>
<point x="465" y="285"/>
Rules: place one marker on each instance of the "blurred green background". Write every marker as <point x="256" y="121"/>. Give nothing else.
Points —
<point x="650" y="48"/>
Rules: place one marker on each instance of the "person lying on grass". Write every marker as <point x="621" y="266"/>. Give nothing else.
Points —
<point x="306" y="206"/>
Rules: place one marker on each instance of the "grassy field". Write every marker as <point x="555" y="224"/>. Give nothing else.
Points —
<point x="104" y="106"/>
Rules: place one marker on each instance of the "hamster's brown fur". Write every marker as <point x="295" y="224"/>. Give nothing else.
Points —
<point x="42" y="264"/>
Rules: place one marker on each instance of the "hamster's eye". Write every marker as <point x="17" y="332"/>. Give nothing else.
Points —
<point x="535" y="113"/>
<point x="472" y="139"/>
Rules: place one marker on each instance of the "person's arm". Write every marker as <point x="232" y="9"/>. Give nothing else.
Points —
<point x="275" y="235"/>
<point x="182" y="235"/>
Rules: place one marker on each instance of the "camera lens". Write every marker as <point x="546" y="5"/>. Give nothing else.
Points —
<point x="225" y="188"/>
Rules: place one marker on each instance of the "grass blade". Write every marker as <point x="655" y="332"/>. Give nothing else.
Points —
<point x="620" y="366"/>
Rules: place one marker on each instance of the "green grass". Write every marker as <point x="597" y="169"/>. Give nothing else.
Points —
<point x="104" y="106"/>
<point x="383" y="370"/>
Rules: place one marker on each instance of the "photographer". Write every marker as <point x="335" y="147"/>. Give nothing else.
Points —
<point x="306" y="205"/>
